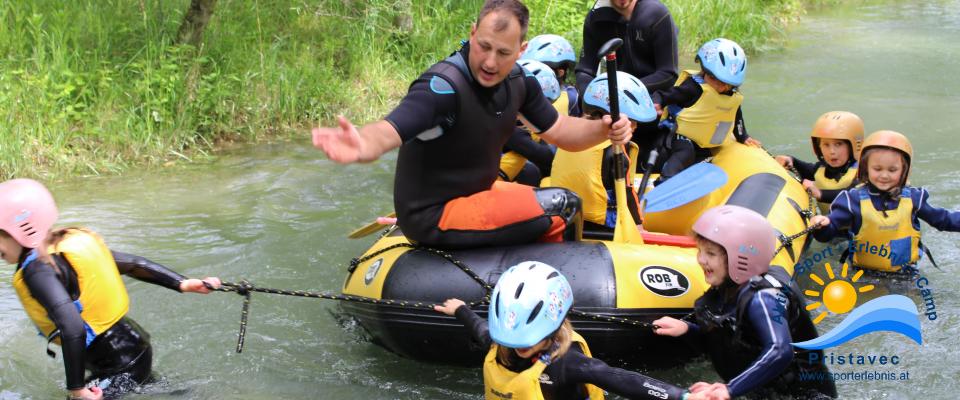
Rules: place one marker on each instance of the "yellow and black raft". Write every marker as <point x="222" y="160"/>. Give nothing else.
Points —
<point x="612" y="282"/>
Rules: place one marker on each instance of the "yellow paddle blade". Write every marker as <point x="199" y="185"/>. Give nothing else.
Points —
<point x="626" y="230"/>
<point x="369" y="229"/>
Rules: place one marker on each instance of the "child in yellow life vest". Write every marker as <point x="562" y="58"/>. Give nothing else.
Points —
<point x="526" y="159"/>
<point x="69" y="284"/>
<point x="836" y="137"/>
<point x="883" y="213"/>
<point x="706" y="105"/>
<point x="589" y="173"/>
<point x="557" y="53"/>
<point x="534" y="352"/>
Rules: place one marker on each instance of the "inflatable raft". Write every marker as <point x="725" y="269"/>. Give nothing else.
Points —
<point x="638" y="282"/>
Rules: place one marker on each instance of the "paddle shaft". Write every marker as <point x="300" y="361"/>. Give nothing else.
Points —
<point x="609" y="52"/>
<point x="652" y="161"/>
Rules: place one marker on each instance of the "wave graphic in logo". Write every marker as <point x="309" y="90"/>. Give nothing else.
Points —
<point x="892" y="313"/>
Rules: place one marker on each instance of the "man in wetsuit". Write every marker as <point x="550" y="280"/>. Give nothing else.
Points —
<point x="451" y="128"/>
<point x="649" y="50"/>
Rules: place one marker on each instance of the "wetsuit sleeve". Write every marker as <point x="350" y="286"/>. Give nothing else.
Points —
<point x="740" y="128"/>
<point x="765" y="316"/>
<point x="587" y="66"/>
<point x="424" y="107"/>
<point x="148" y="271"/>
<point x="536" y="111"/>
<point x="937" y="217"/>
<point x="807" y="170"/>
<point x="581" y="369"/>
<point x="684" y="95"/>
<point x="476" y="325"/>
<point x="664" y="37"/>
<point x="50" y="293"/>
<point x="541" y="154"/>
<point x="842" y="211"/>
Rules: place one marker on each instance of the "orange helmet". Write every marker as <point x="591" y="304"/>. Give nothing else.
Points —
<point x="891" y="140"/>
<point x="840" y="125"/>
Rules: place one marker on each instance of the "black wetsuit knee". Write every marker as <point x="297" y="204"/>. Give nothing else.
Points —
<point x="121" y="357"/>
<point x="565" y="204"/>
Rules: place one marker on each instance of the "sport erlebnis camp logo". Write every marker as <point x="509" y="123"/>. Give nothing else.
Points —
<point x="892" y="313"/>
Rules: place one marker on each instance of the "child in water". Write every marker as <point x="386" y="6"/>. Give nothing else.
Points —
<point x="69" y="284"/>
<point x="836" y="137"/>
<point x="752" y="312"/>
<point x="706" y="105"/>
<point x="883" y="214"/>
<point x="534" y="351"/>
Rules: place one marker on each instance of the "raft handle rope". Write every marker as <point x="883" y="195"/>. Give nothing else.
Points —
<point x="245" y="289"/>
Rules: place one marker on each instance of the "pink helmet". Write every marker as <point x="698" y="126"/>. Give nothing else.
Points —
<point x="27" y="211"/>
<point x="748" y="238"/>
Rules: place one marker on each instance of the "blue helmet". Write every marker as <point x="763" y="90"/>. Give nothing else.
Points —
<point x="552" y="50"/>
<point x="724" y="59"/>
<point x="528" y="304"/>
<point x="546" y="77"/>
<point x="634" y="98"/>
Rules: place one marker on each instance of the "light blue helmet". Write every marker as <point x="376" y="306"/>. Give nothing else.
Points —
<point x="528" y="304"/>
<point x="553" y="50"/>
<point x="633" y="96"/>
<point x="724" y="59"/>
<point x="546" y="77"/>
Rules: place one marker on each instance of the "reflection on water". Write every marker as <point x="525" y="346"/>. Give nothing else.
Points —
<point x="278" y="216"/>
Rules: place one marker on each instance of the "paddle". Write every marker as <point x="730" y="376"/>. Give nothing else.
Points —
<point x="669" y="129"/>
<point x="690" y="184"/>
<point x="626" y="229"/>
<point x="373" y="227"/>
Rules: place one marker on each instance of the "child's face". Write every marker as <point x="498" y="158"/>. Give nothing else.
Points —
<point x="885" y="169"/>
<point x="835" y="152"/>
<point x="713" y="260"/>
<point x="528" y="352"/>
<point x="9" y="249"/>
<point x="716" y="84"/>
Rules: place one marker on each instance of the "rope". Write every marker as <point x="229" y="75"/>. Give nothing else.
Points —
<point x="245" y="289"/>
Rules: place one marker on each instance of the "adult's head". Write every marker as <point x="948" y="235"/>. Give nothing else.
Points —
<point x="496" y="40"/>
<point x="624" y="7"/>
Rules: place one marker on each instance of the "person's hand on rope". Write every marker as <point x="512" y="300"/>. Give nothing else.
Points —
<point x="785" y="161"/>
<point x="204" y="286"/>
<point x="449" y="307"/>
<point x="714" y="391"/>
<point x="812" y="188"/>
<point x="620" y="131"/>
<point x="669" y="326"/>
<point x="819" y="221"/>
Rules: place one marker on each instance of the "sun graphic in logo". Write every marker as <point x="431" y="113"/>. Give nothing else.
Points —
<point x="839" y="295"/>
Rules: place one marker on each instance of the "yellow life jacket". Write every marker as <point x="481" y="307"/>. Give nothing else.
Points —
<point x="511" y="162"/>
<point x="709" y="121"/>
<point x="103" y="297"/>
<point x="821" y="181"/>
<point x="886" y="243"/>
<point x="501" y="383"/>
<point x="582" y="172"/>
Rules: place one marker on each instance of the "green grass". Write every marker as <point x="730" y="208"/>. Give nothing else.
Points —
<point x="95" y="86"/>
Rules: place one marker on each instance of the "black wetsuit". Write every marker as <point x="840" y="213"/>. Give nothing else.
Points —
<point x="747" y="332"/>
<point x="568" y="374"/>
<point x="122" y="353"/>
<point x="649" y="50"/>
<point x="685" y="152"/>
<point x="808" y="171"/>
<point x="453" y="132"/>
<point x="539" y="153"/>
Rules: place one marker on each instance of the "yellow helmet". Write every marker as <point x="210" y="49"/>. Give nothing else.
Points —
<point x="891" y="140"/>
<point x="840" y="125"/>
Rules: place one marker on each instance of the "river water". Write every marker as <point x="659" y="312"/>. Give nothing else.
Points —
<point x="278" y="216"/>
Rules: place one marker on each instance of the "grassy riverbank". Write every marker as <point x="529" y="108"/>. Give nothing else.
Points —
<point x="94" y="86"/>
